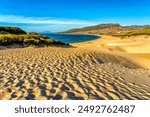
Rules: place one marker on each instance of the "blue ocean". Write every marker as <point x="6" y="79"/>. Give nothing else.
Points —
<point x="71" y="38"/>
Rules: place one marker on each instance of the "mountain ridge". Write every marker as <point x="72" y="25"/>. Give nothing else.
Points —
<point x="108" y="29"/>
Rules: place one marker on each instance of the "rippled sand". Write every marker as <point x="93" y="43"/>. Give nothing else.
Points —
<point x="85" y="71"/>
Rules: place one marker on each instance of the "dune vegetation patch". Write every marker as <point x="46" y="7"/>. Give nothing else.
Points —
<point x="11" y="30"/>
<point x="144" y="31"/>
<point x="28" y="39"/>
<point x="15" y="35"/>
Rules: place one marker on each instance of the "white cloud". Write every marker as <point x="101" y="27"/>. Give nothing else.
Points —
<point x="40" y="20"/>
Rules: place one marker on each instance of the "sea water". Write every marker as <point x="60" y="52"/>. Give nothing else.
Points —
<point x="71" y="38"/>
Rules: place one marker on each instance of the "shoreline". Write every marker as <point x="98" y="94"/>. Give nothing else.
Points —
<point x="80" y="34"/>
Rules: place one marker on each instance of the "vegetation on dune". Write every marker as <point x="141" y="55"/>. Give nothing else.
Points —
<point x="144" y="31"/>
<point x="28" y="39"/>
<point x="14" y="35"/>
<point x="11" y="30"/>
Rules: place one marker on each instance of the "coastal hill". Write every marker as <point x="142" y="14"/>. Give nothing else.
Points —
<point x="11" y="30"/>
<point x="106" y="29"/>
<point x="16" y="37"/>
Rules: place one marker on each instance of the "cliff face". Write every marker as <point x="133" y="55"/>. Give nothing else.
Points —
<point x="11" y="30"/>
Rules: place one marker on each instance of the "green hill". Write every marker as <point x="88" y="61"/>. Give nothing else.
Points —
<point x="13" y="35"/>
<point x="11" y="30"/>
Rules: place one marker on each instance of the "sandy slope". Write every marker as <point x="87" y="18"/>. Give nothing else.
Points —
<point x="137" y="48"/>
<point x="93" y="70"/>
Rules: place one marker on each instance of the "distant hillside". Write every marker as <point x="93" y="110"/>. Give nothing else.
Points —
<point x="107" y="29"/>
<point x="100" y="26"/>
<point x="11" y="30"/>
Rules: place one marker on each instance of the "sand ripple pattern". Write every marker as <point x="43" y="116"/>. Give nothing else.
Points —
<point x="69" y="73"/>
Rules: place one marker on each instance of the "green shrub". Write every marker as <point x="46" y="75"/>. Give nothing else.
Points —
<point x="28" y="41"/>
<point x="7" y="39"/>
<point x="36" y="42"/>
<point x="58" y="42"/>
<point x="49" y="41"/>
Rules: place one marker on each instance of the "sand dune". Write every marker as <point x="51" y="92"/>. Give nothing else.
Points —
<point x="135" y="48"/>
<point x="90" y="70"/>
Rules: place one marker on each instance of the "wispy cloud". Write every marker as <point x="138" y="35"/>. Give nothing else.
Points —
<point x="40" y="20"/>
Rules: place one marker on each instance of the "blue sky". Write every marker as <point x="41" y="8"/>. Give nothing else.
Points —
<point x="59" y="15"/>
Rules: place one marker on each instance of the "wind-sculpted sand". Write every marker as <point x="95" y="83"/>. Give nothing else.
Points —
<point x="86" y="71"/>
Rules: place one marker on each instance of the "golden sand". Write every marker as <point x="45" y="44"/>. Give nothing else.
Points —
<point x="107" y="68"/>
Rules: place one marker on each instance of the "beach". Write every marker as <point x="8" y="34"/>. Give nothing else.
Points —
<point x="109" y="68"/>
